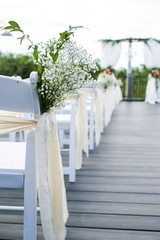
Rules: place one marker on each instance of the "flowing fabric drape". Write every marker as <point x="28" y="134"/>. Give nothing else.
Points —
<point x="98" y="110"/>
<point x="51" y="189"/>
<point x="110" y="54"/>
<point x="151" y="52"/>
<point x="81" y="141"/>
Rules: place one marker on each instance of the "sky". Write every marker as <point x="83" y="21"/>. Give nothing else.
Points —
<point x="102" y="19"/>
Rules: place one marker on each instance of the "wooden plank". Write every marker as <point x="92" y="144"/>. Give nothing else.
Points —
<point x="98" y="167"/>
<point x="103" y="234"/>
<point x="11" y="201"/>
<point x="118" y="180"/>
<point x="114" y="208"/>
<point x="118" y="174"/>
<point x="113" y="188"/>
<point x="12" y="216"/>
<point x="15" y="193"/>
<point x="113" y="197"/>
<point x="15" y="232"/>
<point x="106" y="221"/>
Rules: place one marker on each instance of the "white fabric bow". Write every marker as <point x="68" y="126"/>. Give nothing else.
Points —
<point x="51" y="189"/>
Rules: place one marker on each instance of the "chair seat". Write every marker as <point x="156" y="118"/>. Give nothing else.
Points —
<point x="12" y="172"/>
<point x="10" y="149"/>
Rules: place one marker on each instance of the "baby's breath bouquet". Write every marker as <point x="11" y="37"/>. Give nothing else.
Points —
<point x="63" y="67"/>
<point x="106" y="80"/>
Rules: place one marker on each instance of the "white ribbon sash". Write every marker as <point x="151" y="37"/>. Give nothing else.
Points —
<point x="51" y="189"/>
<point x="81" y="131"/>
<point x="10" y="123"/>
<point x="81" y="141"/>
<point x="98" y="112"/>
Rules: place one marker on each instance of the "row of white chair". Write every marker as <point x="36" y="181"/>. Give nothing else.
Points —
<point x="67" y="122"/>
<point x="17" y="162"/>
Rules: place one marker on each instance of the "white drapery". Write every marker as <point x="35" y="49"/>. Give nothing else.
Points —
<point x="110" y="54"/>
<point x="51" y="188"/>
<point x="151" y="52"/>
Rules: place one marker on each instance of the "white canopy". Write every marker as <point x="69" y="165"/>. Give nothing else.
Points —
<point x="151" y="52"/>
<point x="110" y="54"/>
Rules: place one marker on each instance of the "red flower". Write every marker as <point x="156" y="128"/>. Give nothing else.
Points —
<point x="156" y="73"/>
<point x="108" y="71"/>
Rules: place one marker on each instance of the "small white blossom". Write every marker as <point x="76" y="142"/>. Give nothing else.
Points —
<point x="71" y="71"/>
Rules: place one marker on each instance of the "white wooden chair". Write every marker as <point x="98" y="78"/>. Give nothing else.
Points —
<point x="66" y="121"/>
<point x="17" y="164"/>
<point x="91" y="102"/>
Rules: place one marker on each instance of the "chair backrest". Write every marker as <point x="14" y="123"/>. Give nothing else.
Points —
<point x="19" y="95"/>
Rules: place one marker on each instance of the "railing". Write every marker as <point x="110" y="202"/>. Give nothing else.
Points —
<point x="138" y="87"/>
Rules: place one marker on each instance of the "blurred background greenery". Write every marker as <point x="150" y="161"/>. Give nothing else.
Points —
<point x="23" y="65"/>
<point x="16" y="65"/>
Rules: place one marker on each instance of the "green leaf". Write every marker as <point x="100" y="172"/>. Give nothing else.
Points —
<point x="55" y="56"/>
<point x="40" y="69"/>
<point x="22" y="38"/>
<point x="14" y="24"/>
<point x="16" y="30"/>
<point x="30" y="46"/>
<point x="51" y="54"/>
<point x="8" y="27"/>
<point x="35" y="55"/>
<point x="63" y="35"/>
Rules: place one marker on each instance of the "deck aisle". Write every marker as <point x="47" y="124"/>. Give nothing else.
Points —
<point x="117" y="192"/>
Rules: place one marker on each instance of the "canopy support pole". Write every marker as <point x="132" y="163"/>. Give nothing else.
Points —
<point x="129" y="72"/>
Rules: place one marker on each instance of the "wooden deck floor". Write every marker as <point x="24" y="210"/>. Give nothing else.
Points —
<point x="117" y="192"/>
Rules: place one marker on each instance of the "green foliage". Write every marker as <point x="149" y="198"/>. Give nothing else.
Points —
<point x="20" y="65"/>
<point x="43" y="52"/>
<point x="141" y="71"/>
<point x="140" y="78"/>
<point x="121" y="74"/>
<point x="116" y="41"/>
<point x="37" y="51"/>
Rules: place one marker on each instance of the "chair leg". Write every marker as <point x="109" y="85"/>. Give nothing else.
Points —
<point x="72" y="171"/>
<point x="30" y="191"/>
<point x="91" y="127"/>
<point x="72" y="137"/>
<point x="61" y="138"/>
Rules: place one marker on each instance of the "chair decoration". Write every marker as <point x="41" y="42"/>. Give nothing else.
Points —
<point x="81" y="131"/>
<point x="81" y="128"/>
<point x="51" y="189"/>
<point x="63" y="67"/>
<point x="112" y="92"/>
<point x="81" y="141"/>
<point x="52" y="194"/>
<point x="98" y="113"/>
<point x="152" y="95"/>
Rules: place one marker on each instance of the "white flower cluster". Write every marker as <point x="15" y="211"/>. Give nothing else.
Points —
<point x="71" y="71"/>
<point x="105" y="80"/>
